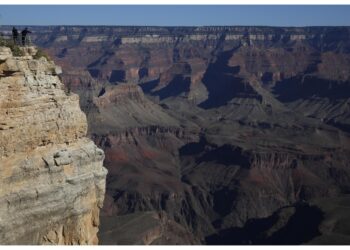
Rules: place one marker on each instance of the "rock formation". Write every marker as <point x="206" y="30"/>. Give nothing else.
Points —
<point x="51" y="176"/>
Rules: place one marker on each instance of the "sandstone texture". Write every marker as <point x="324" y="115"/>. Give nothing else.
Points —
<point x="51" y="176"/>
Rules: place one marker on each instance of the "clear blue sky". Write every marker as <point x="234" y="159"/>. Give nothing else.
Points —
<point x="175" y="15"/>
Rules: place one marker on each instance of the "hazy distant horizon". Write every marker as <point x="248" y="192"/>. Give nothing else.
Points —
<point x="168" y="26"/>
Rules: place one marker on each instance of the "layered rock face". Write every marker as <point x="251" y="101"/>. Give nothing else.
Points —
<point x="215" y="135"/>
<point x="52" y="177"/>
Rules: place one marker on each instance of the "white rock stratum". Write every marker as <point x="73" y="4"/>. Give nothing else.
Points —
<point x="51" y="176"/>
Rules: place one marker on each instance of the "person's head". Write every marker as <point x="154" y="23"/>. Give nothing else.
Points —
<point x="26" y="28"/>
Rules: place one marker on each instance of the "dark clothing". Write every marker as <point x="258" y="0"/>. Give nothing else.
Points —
<point x="15" y="35"/>
<point x="24" y="34"/>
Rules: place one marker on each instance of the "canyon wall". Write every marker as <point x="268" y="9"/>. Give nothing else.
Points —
<point x="52" y="177"/>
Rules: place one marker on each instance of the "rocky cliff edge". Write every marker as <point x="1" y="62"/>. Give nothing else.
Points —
<point x="51" y="176"/>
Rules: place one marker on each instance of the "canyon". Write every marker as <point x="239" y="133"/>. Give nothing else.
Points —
<point x="214" y="135"/>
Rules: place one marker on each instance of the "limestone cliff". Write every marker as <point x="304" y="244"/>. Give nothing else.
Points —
<point x="51" y="176"/>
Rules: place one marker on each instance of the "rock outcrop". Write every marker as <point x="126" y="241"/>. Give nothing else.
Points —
<point x="51" y="176"/>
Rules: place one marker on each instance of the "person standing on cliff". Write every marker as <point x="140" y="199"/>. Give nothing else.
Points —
<point x="15" y="35"/>
<point x="24" y="35"/>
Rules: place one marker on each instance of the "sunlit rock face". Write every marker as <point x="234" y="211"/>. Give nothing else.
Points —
<point x="52" y="177"/>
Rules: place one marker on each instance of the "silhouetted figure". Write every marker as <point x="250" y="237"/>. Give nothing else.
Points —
<point x="24" y="35"/>
<point x="15" y="35"/>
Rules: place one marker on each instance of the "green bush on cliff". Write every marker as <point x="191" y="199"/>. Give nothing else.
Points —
<point x="16" y="51"/>
<point x="40" y="53"/>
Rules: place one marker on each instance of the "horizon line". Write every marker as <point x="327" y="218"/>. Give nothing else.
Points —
<point x="173" y="26"/>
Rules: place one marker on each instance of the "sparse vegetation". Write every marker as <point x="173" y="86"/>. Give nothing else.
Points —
<point x="16" y="51"/>
<point x="40" y="53"/>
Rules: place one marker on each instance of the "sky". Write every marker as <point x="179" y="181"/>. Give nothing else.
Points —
<point x="176" y="15"/>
